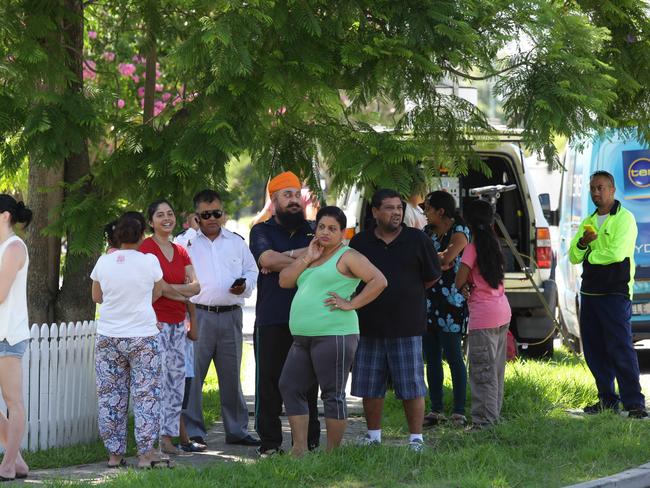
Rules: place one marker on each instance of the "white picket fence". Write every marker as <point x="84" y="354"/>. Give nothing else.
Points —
<point x="59" y="386"/>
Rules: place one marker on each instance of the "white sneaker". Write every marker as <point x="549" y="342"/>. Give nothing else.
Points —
<point x="416" y="445"/>
<point x="365" y="440"/>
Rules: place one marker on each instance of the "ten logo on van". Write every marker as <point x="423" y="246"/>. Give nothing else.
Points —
<point x="636" y="166"/>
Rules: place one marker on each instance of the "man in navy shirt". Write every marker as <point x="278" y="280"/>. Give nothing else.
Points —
<point x="392" y="325"/>
<point x="275" y="244"/>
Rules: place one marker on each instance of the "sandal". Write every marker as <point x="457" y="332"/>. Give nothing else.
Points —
<point x="433" y="418"/>
<point x="159" y="464"/>
<point x="173" y="450"/>
<point x="458" y="419"/>
<point x="121" y="464"/>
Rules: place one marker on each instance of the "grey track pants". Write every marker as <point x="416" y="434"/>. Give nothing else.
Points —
<point x="325" y="360"/>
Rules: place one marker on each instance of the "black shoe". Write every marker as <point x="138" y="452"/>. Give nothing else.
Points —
<point x="637" y="413"/>
<point x="199" y="440"/>
<point x="597" y="408"/>
<point x="249" y="440"/>
<point x="192" y="447"/>
<point x="269" y="451"/>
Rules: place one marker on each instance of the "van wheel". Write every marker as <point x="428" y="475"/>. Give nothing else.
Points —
<point x="539" y="351"/>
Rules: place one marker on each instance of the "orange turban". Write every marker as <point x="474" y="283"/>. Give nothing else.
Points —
<point x="284" y="180"/>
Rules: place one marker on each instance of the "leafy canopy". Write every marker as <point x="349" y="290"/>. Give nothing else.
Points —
<point x="290" y="82"/>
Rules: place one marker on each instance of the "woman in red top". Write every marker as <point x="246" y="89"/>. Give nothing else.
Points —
<point x="180" y="283"/>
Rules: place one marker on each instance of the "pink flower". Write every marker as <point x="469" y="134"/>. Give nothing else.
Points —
<point x="120" y="103"/>
<point x="88" y="72"/>
<point x="92" y="35"/>
<point x="142" y="103"/>
<point x="159" y="87"/>
<point x="166" y="96"/>
<point x="177" y="99"/>
<point x="158" y="74"/>
<point x="108" y="56"/>
<point x="138" y="59"/>
<point x="136" y="79"/>
<point x="141" y="91"/>
<point x="158" y="107"/>
<point x="126" y="69"/>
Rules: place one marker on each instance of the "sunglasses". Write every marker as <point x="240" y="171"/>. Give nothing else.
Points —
<point x="211" y="213"/>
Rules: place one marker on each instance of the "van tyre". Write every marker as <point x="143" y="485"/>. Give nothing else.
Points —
<point x="539" y="351"/>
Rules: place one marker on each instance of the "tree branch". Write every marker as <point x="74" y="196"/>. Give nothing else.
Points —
<point x="485" y="77"/>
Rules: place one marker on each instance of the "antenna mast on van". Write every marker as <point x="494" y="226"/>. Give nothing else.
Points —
<point x="491" y="194"/>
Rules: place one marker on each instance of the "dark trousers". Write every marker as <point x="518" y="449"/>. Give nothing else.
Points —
<point x="272" y="344"/>
<point x="606" y="334"/>
<point x="433" y="345"/>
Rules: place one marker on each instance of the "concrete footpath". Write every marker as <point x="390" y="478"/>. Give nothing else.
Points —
<point x="217" y="451"/>
<point x="632" y="478"/>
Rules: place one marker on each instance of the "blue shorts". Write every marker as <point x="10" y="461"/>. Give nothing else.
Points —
<point x="16" y="351"/>
<point x="399" y="356"/>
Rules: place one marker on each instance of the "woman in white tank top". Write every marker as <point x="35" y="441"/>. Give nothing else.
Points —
<point x="14" y="333"/>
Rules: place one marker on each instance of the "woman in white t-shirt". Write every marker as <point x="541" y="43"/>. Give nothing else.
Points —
<point x="14" y="334"/>
<point x="126" y="283"/>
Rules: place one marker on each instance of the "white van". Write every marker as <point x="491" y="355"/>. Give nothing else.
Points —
<point x="628" y="160"/>
<point x="524" y="219"/>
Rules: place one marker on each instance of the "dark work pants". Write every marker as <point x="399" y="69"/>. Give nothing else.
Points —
<point x="434" y="343"/>
<point x="606" y="334"/>
<point x="272" y="344"/>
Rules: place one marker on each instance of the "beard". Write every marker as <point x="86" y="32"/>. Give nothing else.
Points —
<point x="290" y="220"/>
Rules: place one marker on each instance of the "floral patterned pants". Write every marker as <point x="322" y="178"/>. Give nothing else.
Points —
<point x="123" y="365"/>
<point x="171" y="342"/>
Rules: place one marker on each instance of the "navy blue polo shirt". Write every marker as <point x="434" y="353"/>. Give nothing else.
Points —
<point x="273" y="302"/>
<point x="408" y="262"/>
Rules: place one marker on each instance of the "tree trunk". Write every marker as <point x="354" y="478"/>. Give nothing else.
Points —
<point x="45" y="193"/>
<point x="74" y="301"/>
<point x="150" y="82"/>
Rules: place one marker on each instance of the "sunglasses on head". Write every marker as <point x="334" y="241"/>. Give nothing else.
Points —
<point x="211" y="213"/>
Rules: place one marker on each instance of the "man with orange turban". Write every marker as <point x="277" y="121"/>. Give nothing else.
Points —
<point x="275" y="244"/>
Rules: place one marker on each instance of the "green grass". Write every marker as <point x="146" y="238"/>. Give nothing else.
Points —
<point x="538" y="445"/>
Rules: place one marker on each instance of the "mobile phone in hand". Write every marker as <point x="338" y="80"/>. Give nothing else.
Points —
<point x="590" y="228"/>
<point x="238" y="282"/>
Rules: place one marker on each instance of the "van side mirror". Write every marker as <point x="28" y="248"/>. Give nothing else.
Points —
<point x="552" y="216"/>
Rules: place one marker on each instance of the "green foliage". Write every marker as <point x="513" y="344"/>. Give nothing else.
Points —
<point x="293" y="84"/>
<point x="246" y="187"/>
<point x="14" y="182"/>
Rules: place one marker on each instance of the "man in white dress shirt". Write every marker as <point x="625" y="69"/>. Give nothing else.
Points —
<point x="227" y="273"/>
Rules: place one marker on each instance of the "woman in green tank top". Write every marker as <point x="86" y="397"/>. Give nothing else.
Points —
<point x="324" y="325"/>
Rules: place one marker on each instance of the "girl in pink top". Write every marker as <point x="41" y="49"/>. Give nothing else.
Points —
<point x="480" y="277"/>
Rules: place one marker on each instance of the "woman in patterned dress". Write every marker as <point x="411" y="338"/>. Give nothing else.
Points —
<point x="126" y="283"/>
<point x="447" y="309"/>
<point x="179" y="283"/>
